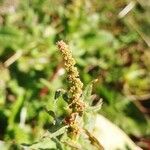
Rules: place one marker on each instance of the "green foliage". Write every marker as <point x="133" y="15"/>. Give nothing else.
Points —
<point x="105" y="47"/>
<point x="57" y="135"/>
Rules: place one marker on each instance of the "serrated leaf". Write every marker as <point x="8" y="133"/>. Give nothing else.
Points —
<point x="95" y="108"/>
<point x="87" y="93"/>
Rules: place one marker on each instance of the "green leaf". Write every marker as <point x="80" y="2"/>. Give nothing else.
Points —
<point x="51" y="113"/>
<point x="87" y="93"/>
<point x="59" y="93"/>
<point x="58" y="143"/>
<point x="45" y="143"/>
<point x="95" y="108"/>
<point x="60" y="131"/>
<point x="16" y="107"/>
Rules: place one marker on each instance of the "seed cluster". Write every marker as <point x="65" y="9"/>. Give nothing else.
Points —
<point x="76" y="104"/>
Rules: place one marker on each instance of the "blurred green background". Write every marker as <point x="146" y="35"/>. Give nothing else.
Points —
<point x="110" y="42"/>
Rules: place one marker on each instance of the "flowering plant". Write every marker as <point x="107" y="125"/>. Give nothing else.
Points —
<point x="74" y="128"/>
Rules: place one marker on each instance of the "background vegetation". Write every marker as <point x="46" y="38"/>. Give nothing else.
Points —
<point x="106" y="44"/>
